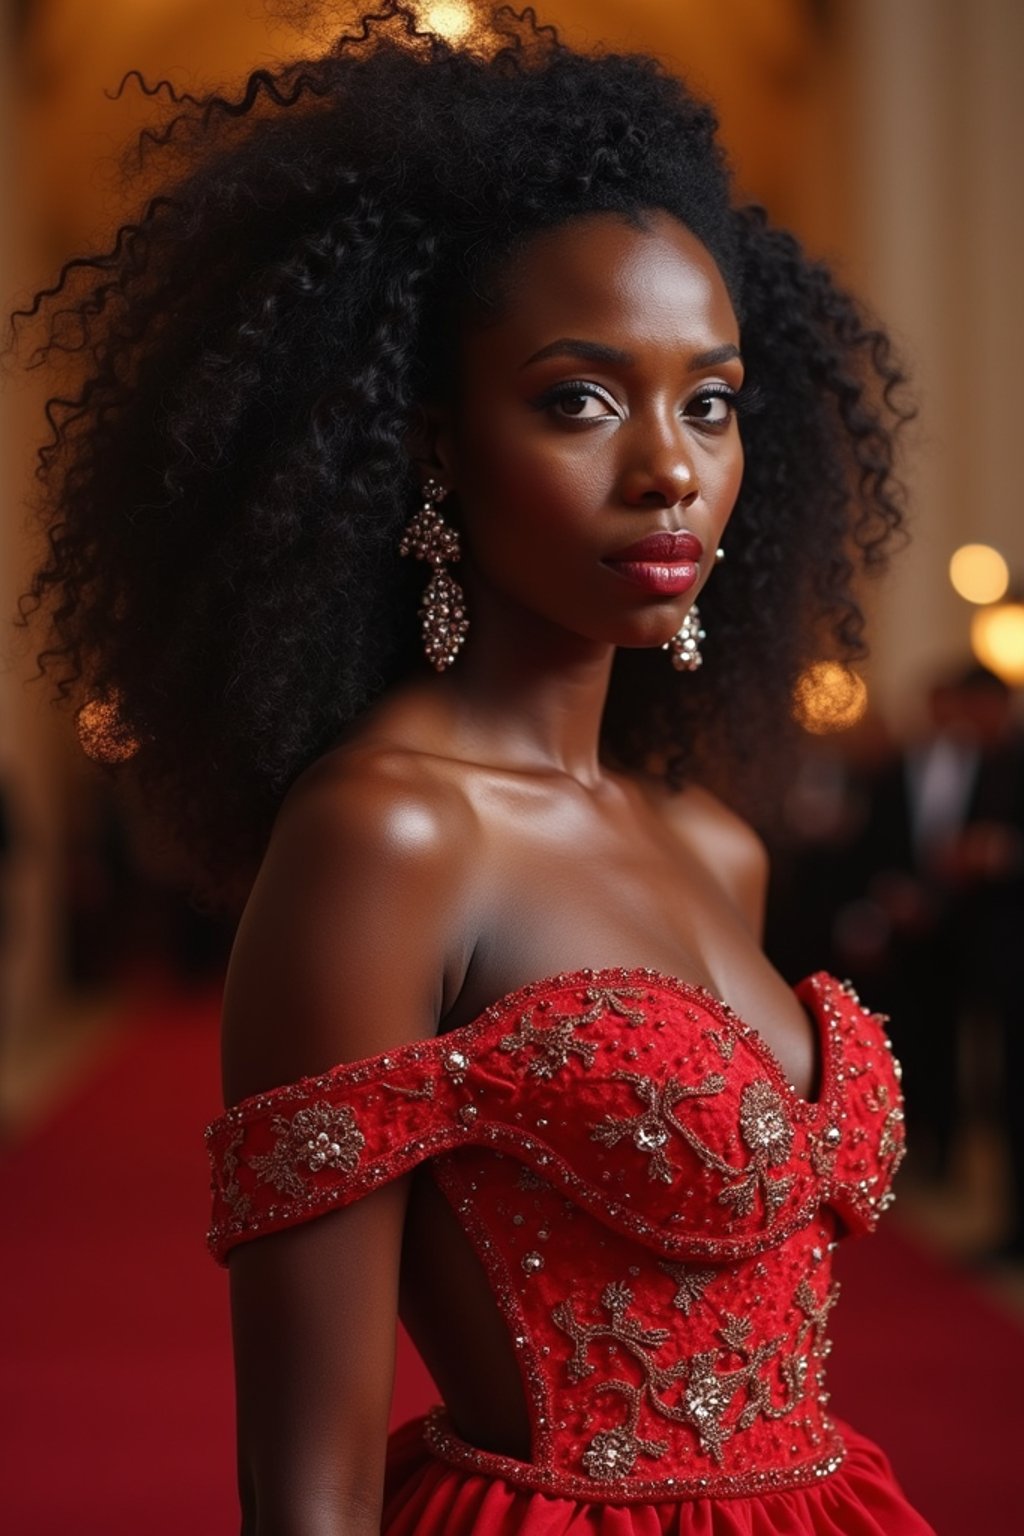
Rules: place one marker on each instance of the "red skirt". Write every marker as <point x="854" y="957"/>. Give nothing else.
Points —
<point x="425" y="1496"/>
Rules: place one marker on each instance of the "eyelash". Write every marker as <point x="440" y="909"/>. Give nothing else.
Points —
<point x="741" y="401"/>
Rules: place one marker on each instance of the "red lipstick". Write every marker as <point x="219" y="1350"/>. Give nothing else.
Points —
<point x="665" y="563"/>
<point x="664" y="548"/>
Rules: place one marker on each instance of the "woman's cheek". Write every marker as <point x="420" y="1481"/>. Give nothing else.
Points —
<point x="534" y="481"/>
<point x="721" y="478"/>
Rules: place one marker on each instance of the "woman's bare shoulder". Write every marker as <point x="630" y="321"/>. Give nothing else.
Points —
<point x="358" y="928"/>
<point x="382" y="789"/>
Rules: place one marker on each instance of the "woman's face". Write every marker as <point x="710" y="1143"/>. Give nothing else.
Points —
<point x="595" y="411"/>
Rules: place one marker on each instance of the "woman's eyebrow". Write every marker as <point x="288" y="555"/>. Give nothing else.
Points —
<point x="598" y="352"/>
<point x="589" y="351"/>
<point x="714" y="356"/>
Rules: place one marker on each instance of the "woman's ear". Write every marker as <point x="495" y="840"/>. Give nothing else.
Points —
<point x="429" y="444"/>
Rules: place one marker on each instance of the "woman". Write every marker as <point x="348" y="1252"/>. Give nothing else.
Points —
<point x="493" y="308"/>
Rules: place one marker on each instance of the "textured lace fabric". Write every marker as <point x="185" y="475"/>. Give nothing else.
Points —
<point x="654" y="1204"/>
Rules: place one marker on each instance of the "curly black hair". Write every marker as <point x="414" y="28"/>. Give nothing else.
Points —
<point x="228" y="475"/>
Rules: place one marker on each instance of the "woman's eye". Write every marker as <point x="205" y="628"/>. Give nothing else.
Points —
<point x="578" y="403"/>
<point x="712" y="410"/>
<point x="581" y="405"/>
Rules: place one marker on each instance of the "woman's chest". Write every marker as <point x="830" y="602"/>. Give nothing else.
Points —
<point x="547" y="904"/>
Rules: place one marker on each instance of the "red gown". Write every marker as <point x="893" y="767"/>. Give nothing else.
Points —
<point x="656" y="1209"/>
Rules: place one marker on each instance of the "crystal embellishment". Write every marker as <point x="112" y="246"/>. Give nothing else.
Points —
<point x="321" y="1136"/>
<point x="649" y="1137"/>
<point x="764" y="1123"/>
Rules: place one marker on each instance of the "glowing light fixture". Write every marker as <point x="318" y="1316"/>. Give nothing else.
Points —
<point x="829" y="697"/>
<point x="997" y="639"/>
<point x="450" y="19"/>
<point x="979" y="573"/>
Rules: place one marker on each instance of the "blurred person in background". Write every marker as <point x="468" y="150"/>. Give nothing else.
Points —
<point x="815" y="911"/>
<point x="942" y="860"/>
<point x="493" y="306"/>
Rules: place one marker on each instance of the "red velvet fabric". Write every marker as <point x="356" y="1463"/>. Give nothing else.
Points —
<point x="656" y="1208"/>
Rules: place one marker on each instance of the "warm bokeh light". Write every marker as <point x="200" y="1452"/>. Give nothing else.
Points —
<point x="979" y="573"/>
<point x="997" y="639"/>
<point x="449" y="18"/>
<point x="101" y="732"/>
<point x="829" y="697"/>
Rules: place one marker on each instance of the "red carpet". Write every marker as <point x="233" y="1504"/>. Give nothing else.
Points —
<point x="116" y="1383"/>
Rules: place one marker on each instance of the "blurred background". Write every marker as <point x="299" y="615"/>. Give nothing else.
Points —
<point x="887" y="133"/>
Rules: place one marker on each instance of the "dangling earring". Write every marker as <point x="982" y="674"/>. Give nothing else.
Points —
<point x="685" y="643"/>
<point x="443" y="613"/>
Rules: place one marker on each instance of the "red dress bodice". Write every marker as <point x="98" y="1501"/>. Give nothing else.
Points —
<point x="654" y="1204"/>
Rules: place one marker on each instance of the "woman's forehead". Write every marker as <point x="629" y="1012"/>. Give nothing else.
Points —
<point x="604" y="277"/>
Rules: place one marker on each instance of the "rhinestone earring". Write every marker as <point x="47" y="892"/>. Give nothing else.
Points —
<point x="685" y="643"/>
<point x="443" y="611"/>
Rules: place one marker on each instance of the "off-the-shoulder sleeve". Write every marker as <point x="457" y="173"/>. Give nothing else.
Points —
<point x="641" y="1098"/>
<point x="316" y="1145"/>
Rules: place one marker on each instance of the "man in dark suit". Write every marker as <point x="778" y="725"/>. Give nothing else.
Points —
<point x="943" y="863"/>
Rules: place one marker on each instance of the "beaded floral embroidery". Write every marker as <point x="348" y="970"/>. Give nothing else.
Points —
<point x="320" y="1136"/>
<point x="649" y="1130"/>
<point x="691" y="1283"/>
<point x="704" y="1385"/>
<point x="558" y="1036"/>
<point x="553" y="1043"/>
<point x="653" y="1204"/>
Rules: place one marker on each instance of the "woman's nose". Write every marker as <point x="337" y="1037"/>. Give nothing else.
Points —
<point x="660" y="471"/>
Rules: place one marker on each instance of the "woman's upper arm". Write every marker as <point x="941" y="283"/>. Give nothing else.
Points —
<point x="313" y="1314"/>
<point x="339" y="955"/>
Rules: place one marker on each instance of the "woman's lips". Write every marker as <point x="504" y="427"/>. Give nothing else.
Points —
<point x="663" y="547"/>
<point x="664" y="562"/>
<point x="657" y="575"/>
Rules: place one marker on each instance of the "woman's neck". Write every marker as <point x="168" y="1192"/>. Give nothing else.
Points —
<point x="523" y="712"/>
